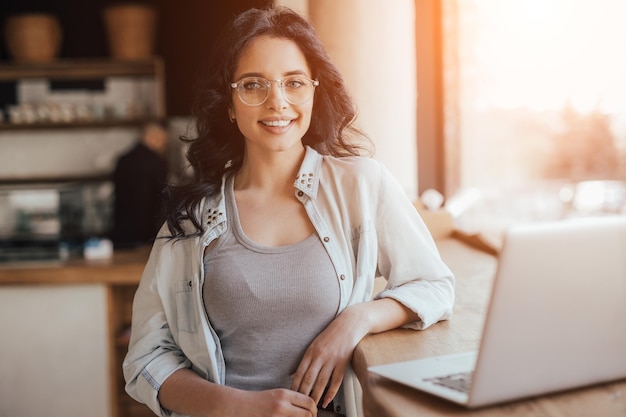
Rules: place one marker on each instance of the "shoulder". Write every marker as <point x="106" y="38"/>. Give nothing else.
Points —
<point x="356" y="180"/>
<point x="361" y="176"/>
<point x="357" y="172"/>
<point x="204" y="209"/>
<point x="354" y="165"/>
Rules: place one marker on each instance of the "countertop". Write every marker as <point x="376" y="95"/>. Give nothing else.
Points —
<point x="124" y="267"/>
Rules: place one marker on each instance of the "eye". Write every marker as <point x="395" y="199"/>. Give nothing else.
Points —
<point x="252" y="84"/>
<point x="294" y="83"/>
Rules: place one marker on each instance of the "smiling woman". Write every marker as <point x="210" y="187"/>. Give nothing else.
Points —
<point x="260" y="285"/>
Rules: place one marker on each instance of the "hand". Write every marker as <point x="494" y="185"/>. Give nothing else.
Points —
<point x="275" y="403"/>
<point x="327" y="357"/>
<point x="187" y="393"/>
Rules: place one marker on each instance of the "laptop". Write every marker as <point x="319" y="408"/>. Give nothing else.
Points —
<point x="555" y="320"/>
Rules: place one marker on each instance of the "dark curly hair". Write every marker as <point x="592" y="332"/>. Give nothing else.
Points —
<point x="218" y="147"/>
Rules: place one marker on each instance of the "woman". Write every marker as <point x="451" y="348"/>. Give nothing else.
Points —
<point x="260" y="288"/>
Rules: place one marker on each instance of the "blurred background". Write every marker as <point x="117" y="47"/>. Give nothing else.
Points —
<point x="534" y="108"/>
<point x="511" y="110"/>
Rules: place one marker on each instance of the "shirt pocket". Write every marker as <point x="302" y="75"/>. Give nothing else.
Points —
<point x="364" y="247"/>
<point x="188" y="318"/>
<point x="362" y="236"/>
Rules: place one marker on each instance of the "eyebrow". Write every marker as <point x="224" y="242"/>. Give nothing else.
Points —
<point x="286" y="74"/>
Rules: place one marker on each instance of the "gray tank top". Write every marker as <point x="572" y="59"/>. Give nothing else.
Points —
<point x="266" y="303"/>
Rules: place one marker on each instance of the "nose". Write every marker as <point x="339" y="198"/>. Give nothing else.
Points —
<point x="276" y="99"/>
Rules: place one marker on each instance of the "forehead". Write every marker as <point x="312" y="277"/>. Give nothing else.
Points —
<point x="271" y="57"/>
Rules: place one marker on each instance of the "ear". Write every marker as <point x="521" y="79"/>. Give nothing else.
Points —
<point x="231" y="115"/>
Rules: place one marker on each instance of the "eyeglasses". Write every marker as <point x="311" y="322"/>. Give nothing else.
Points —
<point x="296" y="89"/>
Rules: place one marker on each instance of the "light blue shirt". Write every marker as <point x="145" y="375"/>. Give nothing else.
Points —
<point x="369" y="228"/>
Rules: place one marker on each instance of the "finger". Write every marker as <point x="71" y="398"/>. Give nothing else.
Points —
<point x="305" y="402"/>
<point x="304" y="377"/>
<point x="296" y="377"/>
<point x="333" y="387"/>
<point x="320" y="383"/>
<point x="308" y="381"/>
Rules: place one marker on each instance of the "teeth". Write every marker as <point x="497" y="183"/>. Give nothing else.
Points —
<point x="277" y="123"/>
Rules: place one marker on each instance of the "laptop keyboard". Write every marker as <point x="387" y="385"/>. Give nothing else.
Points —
<point x="460" y="382"/>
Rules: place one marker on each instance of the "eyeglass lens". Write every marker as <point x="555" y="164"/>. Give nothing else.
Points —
<point x="254" y="91"/>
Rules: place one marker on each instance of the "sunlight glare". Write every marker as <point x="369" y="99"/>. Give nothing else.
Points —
<point x="551" y="52"/>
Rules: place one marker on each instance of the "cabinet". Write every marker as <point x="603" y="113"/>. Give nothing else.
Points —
<point x="53" y="353"/>
<point x="70" y="323"/>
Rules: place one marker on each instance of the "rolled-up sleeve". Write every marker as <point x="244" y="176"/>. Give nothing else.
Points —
<point x="153" y="355"/>
<point x="408" y="258"/>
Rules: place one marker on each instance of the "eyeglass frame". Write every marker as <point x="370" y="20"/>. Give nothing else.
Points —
<point x="268" y="83"/>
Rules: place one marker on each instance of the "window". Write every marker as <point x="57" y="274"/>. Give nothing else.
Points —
<point x="534" y="109"/>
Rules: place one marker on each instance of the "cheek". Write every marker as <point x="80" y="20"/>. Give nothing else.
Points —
<point x="243" y="112"/>
<point x="246" y="121"/>
<point x="308" y="115"/>
<point x="235" y="107"/>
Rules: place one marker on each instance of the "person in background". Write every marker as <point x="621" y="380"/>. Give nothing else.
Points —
<point x="260" y="285"/>
<point x="139" y="178"/>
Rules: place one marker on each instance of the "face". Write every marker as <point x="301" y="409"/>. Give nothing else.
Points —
<point x="155" y="138"/>
<point x="275" y="125"/>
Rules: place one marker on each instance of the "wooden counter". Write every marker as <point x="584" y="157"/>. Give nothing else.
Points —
<point x="125" y="267"/>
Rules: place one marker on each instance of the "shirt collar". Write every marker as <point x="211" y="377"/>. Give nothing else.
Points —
<point x="308" y="178"/>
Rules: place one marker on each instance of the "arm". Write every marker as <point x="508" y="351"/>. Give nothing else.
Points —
<point x="420" y="289"/>
<point x="409" y="260"/>
<point x="187" y="393"/>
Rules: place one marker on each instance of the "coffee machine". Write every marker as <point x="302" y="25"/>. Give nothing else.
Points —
<point x="51" y="221"/>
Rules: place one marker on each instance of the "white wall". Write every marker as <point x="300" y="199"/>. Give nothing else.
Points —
<point x="62" y="153"/>
<point x="300" y="6"/>
<point x="373" y="45"/>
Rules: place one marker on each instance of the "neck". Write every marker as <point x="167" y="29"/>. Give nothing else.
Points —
<point x="272" y="172"/>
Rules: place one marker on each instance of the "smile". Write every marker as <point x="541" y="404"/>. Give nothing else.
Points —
<point x="276" y="123"/>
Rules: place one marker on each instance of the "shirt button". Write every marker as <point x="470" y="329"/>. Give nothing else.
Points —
<point x="326" y="239"/>
<point x="300" y="193"/>
<point x="342" y="277"/>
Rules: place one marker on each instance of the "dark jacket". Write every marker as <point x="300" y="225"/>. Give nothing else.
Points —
<point x="139" y="178"/>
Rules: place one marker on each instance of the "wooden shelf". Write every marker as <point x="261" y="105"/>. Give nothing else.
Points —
<point x="110" y="123"/>
<point x="80" y="69"/>
<point x="87" y="69"/>
<point x="38" y="182"/>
